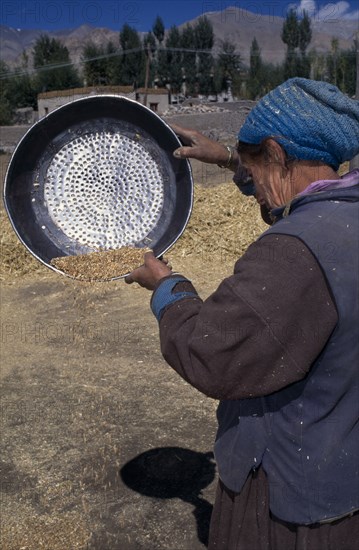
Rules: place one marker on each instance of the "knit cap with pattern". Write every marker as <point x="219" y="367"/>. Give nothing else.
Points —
<point x="312" y="120"/>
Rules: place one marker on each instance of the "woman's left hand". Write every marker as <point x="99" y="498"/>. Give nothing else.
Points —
<point x="199" y="147"/>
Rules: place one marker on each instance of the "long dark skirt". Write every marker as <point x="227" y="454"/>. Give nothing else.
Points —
<point x="244" y="522"/>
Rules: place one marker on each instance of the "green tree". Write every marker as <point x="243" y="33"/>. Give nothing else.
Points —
<point x="188" y="62"/>
<point x="160" y="68"/>
<point x="54" y="68"/>
<point x="149" y="45"/>
<point x="341" y="67"/>
<point x="318" y="64"/>
<point x="227" y="66"/>
<point x="113" y="63"/>
<point x="305" y="33"/>
<point x="132" y="70"/>
<point x="255" y="78"/>
<point x="305" y="36"/>
<point x="16" y="90"/>
<point x="171" y="69"/>
<point x="290" y="36"/>
<point x="296" y="35"/>
<point x="332" y="61"/>
<point x="273" y="75"/>
<point x="101" y="64"/>
<point x="346" y="71"/>
<point x="22" y="91"/>
<point x="6" y="108"/>
<point x="94" y="65"/>
<point x="158" y="29"/>
<point x="203" y="34"/>
<point x="228" y="60"/>
<point x="290" y="30"/>
<point x="204" y="40"/>
<point x="21" y="88"/>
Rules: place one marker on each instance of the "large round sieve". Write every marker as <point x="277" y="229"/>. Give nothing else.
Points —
<point x="98" y="174"/>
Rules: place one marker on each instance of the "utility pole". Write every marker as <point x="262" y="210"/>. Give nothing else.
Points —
<point x="148" y="61"/>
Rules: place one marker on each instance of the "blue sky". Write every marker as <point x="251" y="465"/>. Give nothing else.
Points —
<point x="140" y="14"/>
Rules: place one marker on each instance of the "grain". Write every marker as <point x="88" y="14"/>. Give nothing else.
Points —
<point x="101" y="266"/>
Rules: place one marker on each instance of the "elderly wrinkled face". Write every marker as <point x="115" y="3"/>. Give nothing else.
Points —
<point x="277" y="179"/>
<point x="270" y="175"/>
<point x="267" y="180"/>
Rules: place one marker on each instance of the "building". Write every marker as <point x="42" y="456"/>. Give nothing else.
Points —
<point x="156" y="99"/>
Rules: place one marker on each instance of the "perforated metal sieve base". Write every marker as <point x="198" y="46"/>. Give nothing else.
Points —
<point x="98" y="173"/>
<point x="104" y="190"/>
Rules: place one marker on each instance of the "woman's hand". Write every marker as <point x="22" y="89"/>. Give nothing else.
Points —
<point x="152" y="271"/>
<point x="199" y="147"/>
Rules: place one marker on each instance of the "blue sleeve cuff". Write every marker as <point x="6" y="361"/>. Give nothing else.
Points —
<point x="163" y="296"/>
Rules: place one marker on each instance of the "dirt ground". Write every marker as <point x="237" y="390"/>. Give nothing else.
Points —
<point x="104" y="447"/>
<point x="86" y="397"/>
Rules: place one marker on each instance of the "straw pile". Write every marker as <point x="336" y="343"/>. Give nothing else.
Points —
<point x="223" y="222"/>
<point x="15" y="260"/>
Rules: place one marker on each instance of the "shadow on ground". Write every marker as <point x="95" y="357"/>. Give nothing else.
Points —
<point x="174" y="472"/>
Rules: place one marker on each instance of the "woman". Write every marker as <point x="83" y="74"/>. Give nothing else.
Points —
<point x="277" y="343"/>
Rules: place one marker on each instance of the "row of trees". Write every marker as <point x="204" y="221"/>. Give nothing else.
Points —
<point x="337" y="66"/>
<point x="173" y="60"/>
<point x="181" y="59"/>
<point x="53" y="71"/>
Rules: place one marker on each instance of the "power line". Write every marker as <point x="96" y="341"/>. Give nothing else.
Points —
<point x="52" y="66"/>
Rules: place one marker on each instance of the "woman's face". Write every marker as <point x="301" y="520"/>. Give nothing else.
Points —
<point x="278" y="180"/>
<point x="271" y="178"/>
<point x="266" y="181"/>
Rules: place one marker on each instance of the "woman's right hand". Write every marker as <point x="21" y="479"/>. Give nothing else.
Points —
<point x="199" y="147"/>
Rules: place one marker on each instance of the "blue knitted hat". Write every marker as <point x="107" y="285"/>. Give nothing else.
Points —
<point x="311" y="120"/>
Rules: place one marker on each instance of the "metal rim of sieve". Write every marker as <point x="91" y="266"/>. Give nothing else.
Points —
<point x="96" y="174"/>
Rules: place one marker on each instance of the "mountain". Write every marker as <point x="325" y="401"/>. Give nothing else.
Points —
<point x="241" y="26"/>
<point x="14" y="41"/>
<point x="235" y="24"/>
